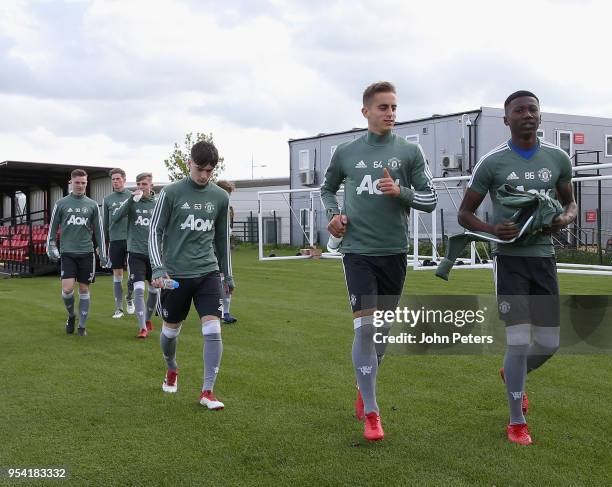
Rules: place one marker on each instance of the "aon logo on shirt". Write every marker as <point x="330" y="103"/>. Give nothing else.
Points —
<point x="369" y="186"/>
<point x="192" y="223"/>
<point x="544" y="192"/>
<point x="77" y="220"/>
<point x="141" y="220"/>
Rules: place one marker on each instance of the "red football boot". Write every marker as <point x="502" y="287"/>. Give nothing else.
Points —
<point x="373" y="428"/>
<point x="519" y="433"/>
<point x="208" y="399"/>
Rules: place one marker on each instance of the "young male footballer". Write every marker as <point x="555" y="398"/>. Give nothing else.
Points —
<point x="77" y="216"/>
<point x="525" y="272"/>
<point x="139" y="208"/>
<point x="189" y="243"/>
<point x="117" y="229"/>
<point x="228" y="318"/>
<point x="384" y="176"/>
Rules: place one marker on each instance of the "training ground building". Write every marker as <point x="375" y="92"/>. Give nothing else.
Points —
<point x="453" y="144"/>
<point x="275" y="219"/>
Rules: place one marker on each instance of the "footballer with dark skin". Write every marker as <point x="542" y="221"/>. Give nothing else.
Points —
<point x="523" y="118"/>
<point x="525" y="271"/>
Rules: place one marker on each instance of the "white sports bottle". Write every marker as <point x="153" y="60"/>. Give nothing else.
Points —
<point x="333" y="244"/>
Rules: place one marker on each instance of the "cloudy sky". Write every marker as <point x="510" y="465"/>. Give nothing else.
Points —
<point x="116" y="83"/>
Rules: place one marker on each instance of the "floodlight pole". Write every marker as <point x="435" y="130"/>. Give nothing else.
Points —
<point x="253" y="166"/>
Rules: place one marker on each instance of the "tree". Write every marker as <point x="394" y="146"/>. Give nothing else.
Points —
<point x="177" y="162"/>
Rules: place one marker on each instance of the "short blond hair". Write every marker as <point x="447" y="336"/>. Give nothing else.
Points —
<point x="144" y="175"/>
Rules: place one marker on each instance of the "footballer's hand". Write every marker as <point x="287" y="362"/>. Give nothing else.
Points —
<point x="387" y="185"/>
<point x="337" y="225"/>
<point x="159" y="282"/>
<point x="228" y="284"/>
<point x="506" y="231"/>
<point x="559" y="223"/>
<point x="136" y="195"/>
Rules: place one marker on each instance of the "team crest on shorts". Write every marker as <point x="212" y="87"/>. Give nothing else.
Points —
<point x="545" y="174"/>
<point x="353" y="300"/>
<point x="165" y="312"/>
<point x="504" y="307"/>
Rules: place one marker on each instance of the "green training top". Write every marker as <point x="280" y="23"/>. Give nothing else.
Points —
<point x="77" y="216"/>
<point x="117" y="229"/>
<point x="139" y="215"/>
<point x="547" y="168"/>
<point x="377" y="224"/>
<point x="189" y="226"/>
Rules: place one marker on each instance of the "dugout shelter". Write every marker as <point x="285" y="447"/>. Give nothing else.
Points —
<point x="28" y="192"/>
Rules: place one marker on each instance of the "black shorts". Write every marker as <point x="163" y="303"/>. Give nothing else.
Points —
<point x="374" y="282"/>
<point x="205" y="292"/>
<point x="81" y="267"/>
<point x="117" y="252"/>
<point x="527" y="290"/>
<point x="139" y="267"/>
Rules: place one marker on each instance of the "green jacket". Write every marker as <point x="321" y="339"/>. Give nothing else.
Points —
<point x="534" y="213"/>
<point x="377" y="224"/>
<point x="115" y="229"/>
<point x="189" y="231"/>
<point x="139" y="215"/>
<point x="79" y="218"/>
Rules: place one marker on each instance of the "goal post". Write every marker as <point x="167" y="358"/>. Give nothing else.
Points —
<point x="473" y="261"/>
<point x="422" y="227"/>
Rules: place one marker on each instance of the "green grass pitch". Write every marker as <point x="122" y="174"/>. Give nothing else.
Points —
<point x="94" y="405"/>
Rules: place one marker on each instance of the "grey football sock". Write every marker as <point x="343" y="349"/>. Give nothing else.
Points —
<point x="381" y="347"/>
<point x="151" y="302"/>
<point x="130" y="288"/>
<point x="118" y="292"/>
<point x="518" y="338"/>
<point x="515" y="371"/>
<point x="545" y="344"/>
<point x="212" y="351"/>
<point x="69" y="302"/>
<point x="139" y="304"/>
<point x="365" y="361"/>
<point x="226" y="303"/>
<point x="84" y="301"/>
<point x="167" y="340"/>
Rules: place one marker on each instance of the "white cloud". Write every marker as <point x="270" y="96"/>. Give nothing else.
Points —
<point x="117" y="83"/>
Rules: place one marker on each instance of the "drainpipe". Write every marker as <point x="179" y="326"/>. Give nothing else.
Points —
<point x="475" y="126"/>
